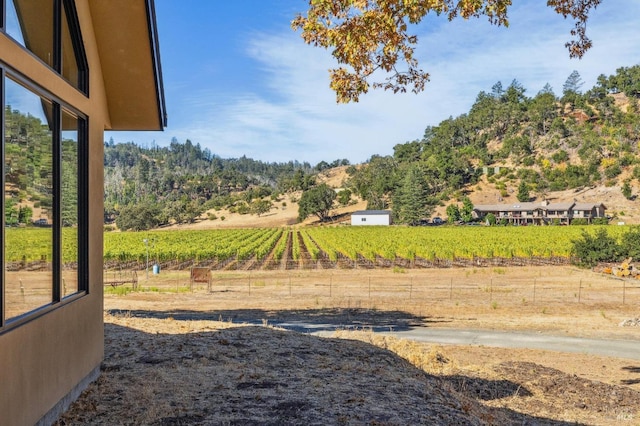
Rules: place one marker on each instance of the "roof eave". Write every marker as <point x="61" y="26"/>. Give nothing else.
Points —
<point x="127" y="39"/>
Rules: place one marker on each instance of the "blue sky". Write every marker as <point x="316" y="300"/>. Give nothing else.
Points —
<point x="239" y="81"/>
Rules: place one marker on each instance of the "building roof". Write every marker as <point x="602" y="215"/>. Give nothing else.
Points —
<point x="588" y="206"/>
<point x="520" y="207"/>
<point x="127" y="41"/>
<point x="371" y="213"/>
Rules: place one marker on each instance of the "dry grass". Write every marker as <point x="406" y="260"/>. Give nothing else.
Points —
<point x="174" y="358"/>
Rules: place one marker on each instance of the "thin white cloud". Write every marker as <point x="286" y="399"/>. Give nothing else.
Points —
<point x="295" y="115"/>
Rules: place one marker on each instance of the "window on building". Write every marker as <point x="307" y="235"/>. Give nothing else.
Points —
<point x="50" y="30"/>
<point x="44" y="232"/>
<point x="364" y="219"/>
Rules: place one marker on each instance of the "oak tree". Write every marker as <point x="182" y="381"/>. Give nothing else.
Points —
<point x="370" y="35"/>
<point x="316" y="201"/>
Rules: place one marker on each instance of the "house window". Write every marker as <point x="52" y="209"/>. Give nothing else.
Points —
<point x="50" y="30"/>
<point x="44" y="236"/>
<point x="364" y="219"/>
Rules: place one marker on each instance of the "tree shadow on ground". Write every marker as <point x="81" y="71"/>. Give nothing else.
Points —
<point x="261" y="375"/>
<point x="485" y="389"/>
<point x="300" y="320"/>
<point x="631" y="369"/>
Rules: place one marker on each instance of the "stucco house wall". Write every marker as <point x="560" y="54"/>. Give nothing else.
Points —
<point x="52" y="353"/>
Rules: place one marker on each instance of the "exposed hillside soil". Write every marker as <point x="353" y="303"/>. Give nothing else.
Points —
<point x="627" y="211"/>
<point x="280" y="215"/>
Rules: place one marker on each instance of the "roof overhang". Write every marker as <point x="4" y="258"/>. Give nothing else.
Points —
<point x="127" y="39"/>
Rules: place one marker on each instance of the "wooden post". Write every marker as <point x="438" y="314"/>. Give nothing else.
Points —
<point x="451" y="289"/>
<point x="331" y="285"/>
<point x="289" y="284"/>
<point x="580" y="291"/>
<point x="491" y="290"/>
<point x="411" y="288"/>
<point x="534" y="291"/>
<point x="624" y="290"/>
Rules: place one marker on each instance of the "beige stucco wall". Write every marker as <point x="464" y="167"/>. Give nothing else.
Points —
<point x="43" y="360"/>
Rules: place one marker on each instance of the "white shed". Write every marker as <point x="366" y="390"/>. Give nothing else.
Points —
<point x="371" y="217"/>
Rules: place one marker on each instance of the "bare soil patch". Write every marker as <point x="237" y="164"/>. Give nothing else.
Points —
<point x="174" y="357"/>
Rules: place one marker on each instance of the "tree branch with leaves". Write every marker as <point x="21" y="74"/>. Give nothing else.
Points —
<point x="372" y="35"/>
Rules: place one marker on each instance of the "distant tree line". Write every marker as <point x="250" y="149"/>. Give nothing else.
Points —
<point x="146" y="187"/>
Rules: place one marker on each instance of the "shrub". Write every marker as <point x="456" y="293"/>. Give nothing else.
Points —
<point x="612" y="171"/>
<point x="600" y="247"/>
<point x="630" y="244"/>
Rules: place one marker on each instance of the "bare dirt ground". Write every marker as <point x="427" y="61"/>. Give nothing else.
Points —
<point x="178" y="357"/>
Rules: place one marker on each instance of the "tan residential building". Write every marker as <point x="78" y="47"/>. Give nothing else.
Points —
<point x="69" y="69"/>
<point x="543" y="213"/>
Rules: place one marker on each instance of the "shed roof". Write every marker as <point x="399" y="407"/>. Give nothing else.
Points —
<point x="127" y="40"/>
<point x="371" y="213"/>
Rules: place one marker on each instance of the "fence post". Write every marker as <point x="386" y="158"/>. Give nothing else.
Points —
<point x="534" y="291"/>
<point x="411" y="288"/>
<point x="249" y="283"/>
<point x="369" y="288"/>
<point x="624" y="290"/>
<point x="451" y="289"/>
<point x="331" y="285"/>
<point x="491" y="290"/>
<point x="289" y="284"/>
<point x="580" y="291"/>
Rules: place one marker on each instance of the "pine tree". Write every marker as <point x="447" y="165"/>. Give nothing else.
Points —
<point x="626" y="190"/>
<point x="523" y="192"/>
<point x="410" y="205"/>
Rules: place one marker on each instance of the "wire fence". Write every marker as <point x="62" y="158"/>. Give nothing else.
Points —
<point x="323" y="262"/>
<point x="368" y="288"/>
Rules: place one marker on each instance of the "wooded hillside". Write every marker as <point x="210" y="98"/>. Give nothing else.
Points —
<point x="509" y="146"/>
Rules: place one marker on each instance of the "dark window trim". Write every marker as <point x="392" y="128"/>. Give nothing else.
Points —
<point x="57" y="37"/>
<point x="3" y="15"/>
<point x="157" y="66"/>
<point x="83" y="202"/>
<point x="2" y="233"/>
<point x="56" y="153"/>
<point x="76" y="40"/>
<point x="78" y="45"/>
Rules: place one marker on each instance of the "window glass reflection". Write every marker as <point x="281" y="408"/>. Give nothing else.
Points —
<point x="12" y="24"/>
<point x="69" y="203"/>
<point x="30" y="23"/>
<point x="70" y="69"/>
<point x="28" y="210"/>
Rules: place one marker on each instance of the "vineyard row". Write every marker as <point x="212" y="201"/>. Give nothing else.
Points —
<point x="312" y="248"/>
<point x="348" y="248"/>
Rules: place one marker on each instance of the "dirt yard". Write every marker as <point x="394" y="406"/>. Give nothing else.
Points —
<point x="181" y="356"/>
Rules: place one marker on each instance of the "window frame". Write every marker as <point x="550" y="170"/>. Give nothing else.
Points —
<point x="68" y="7"/>
<point x="57" y="299"/>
